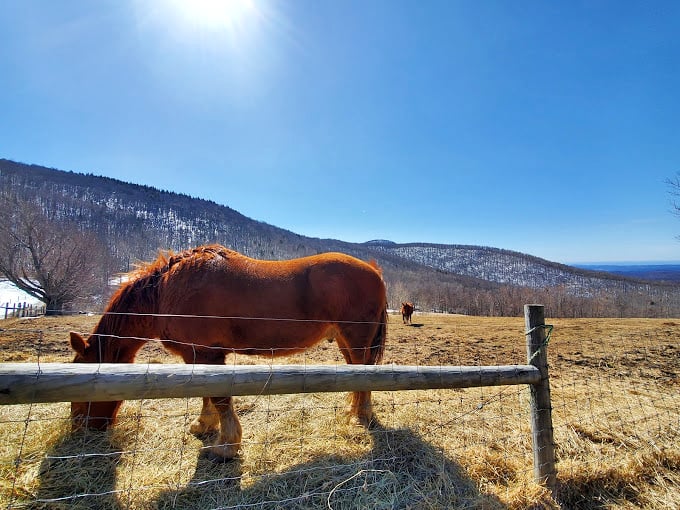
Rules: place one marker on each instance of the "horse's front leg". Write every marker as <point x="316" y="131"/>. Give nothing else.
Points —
<point x="208" y="421"/>
<point x="229" y="438"/>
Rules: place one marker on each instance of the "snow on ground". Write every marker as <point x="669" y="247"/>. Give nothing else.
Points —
<point x="9" y="294"/>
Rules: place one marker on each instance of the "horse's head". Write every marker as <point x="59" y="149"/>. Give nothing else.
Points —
<point x="91" y="415"/>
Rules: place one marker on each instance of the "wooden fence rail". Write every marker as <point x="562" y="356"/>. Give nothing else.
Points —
<point x="23" y="383"/>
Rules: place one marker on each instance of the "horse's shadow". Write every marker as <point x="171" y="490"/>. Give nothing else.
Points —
<point x="79" y="472"/>
<point x="214" y="481"/>
<point x="400" y="471"/>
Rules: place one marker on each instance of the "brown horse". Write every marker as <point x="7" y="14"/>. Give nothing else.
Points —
<point x="210" y="301"/>
<point x="406" y="312"/>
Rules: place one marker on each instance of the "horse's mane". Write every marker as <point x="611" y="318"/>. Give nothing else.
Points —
<point x="168" y="259"/>
<point x="139" y="291"/>
<point x="374" y="264"/>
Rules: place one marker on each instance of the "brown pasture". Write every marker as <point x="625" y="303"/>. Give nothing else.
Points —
<point x="615" y="393"/>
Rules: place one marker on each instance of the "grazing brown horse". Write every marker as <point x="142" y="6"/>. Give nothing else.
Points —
<point x="406" y="312"/>
<point x="210" y="301"/>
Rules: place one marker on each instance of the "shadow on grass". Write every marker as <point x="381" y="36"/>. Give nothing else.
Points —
<point x="215" y="483"/>
<point x="79" y="472"/>
<point x="595" y="493"/>
<point x="400" y="471"/>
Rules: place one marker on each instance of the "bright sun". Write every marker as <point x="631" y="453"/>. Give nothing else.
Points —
<point x="216" y="14"/>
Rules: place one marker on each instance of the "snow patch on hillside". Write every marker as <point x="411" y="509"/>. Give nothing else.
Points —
<point x="10" y="294"/>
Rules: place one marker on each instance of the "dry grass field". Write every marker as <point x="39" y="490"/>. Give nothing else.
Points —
<point x="615" y="393"/>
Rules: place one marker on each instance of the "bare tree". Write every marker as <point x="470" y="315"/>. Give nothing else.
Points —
<point x="674" y="192"/>
<point x="50" y="259"/>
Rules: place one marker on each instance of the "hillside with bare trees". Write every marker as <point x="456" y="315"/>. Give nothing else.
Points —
<point x="134" y="222"/>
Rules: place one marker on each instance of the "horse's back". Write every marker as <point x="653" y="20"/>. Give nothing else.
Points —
<point x="326" y="285"/>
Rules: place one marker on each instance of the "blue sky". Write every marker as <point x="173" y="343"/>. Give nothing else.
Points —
<point x="543" y="127"/>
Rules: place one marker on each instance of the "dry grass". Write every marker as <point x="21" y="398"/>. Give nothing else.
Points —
<point x="615" y="398"/>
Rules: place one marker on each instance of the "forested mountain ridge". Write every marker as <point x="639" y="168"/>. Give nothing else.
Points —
<point x="123" y="212"/>
<point x="136" y="221"/>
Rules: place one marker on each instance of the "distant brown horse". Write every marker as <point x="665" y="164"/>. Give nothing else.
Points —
<point x="406" y="312"/>
<point x="207" y="302"/>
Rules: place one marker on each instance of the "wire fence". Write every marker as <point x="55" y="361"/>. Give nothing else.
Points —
<point x="615" y="415"/>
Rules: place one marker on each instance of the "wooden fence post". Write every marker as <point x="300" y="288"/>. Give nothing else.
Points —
<point x="541" y="407"/>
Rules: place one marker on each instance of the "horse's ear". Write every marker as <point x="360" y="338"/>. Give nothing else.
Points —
<point x="78" y="343"/>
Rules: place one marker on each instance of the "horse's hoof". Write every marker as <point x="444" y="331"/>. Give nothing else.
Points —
<point x="202" y="429"/>
<point x="360" y="421"/>
<point x="223" y="452"/>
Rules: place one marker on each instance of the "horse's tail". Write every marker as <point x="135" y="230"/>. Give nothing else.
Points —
<point x="378" y="343"/>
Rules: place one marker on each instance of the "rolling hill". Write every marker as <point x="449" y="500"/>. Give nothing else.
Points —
<point x="136" y="221"/>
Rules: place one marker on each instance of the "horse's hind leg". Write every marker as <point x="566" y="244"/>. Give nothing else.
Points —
<point x="229" y="439"/>
<point x="361" y="407"/>
<point x="355" y="353"/>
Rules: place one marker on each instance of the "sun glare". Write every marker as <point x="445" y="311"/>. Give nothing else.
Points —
<point x="216" y="14"/>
